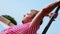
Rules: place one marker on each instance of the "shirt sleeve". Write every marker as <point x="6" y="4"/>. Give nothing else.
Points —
<point x="19" y="29"/>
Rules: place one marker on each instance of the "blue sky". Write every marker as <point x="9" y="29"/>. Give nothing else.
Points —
<point x="17" y="8"/>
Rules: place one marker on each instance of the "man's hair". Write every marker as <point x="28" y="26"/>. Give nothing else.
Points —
<point x="10" y="18"/>
<point x="34" y="12"/>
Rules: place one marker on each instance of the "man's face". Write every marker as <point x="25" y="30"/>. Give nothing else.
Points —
<point x="27" y="18"/>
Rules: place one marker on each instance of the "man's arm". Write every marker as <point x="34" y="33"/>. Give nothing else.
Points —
<point x="37" y="19"/>
<point x="6" y="21"/>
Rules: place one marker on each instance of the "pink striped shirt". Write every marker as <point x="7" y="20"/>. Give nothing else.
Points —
<point x="21" y="29"/>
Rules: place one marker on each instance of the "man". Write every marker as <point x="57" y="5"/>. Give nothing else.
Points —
<point x="31" y="21"/>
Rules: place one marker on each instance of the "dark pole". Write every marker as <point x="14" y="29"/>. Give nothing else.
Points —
<point x="50" y="22"/>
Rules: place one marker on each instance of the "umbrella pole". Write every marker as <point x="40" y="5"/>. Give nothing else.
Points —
<point x="50" y="22"/>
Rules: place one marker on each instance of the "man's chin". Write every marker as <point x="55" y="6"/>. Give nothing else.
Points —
<point x="23" y="22"/>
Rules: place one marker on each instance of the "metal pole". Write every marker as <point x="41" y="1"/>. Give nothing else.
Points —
<point x="50" y="22"/>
